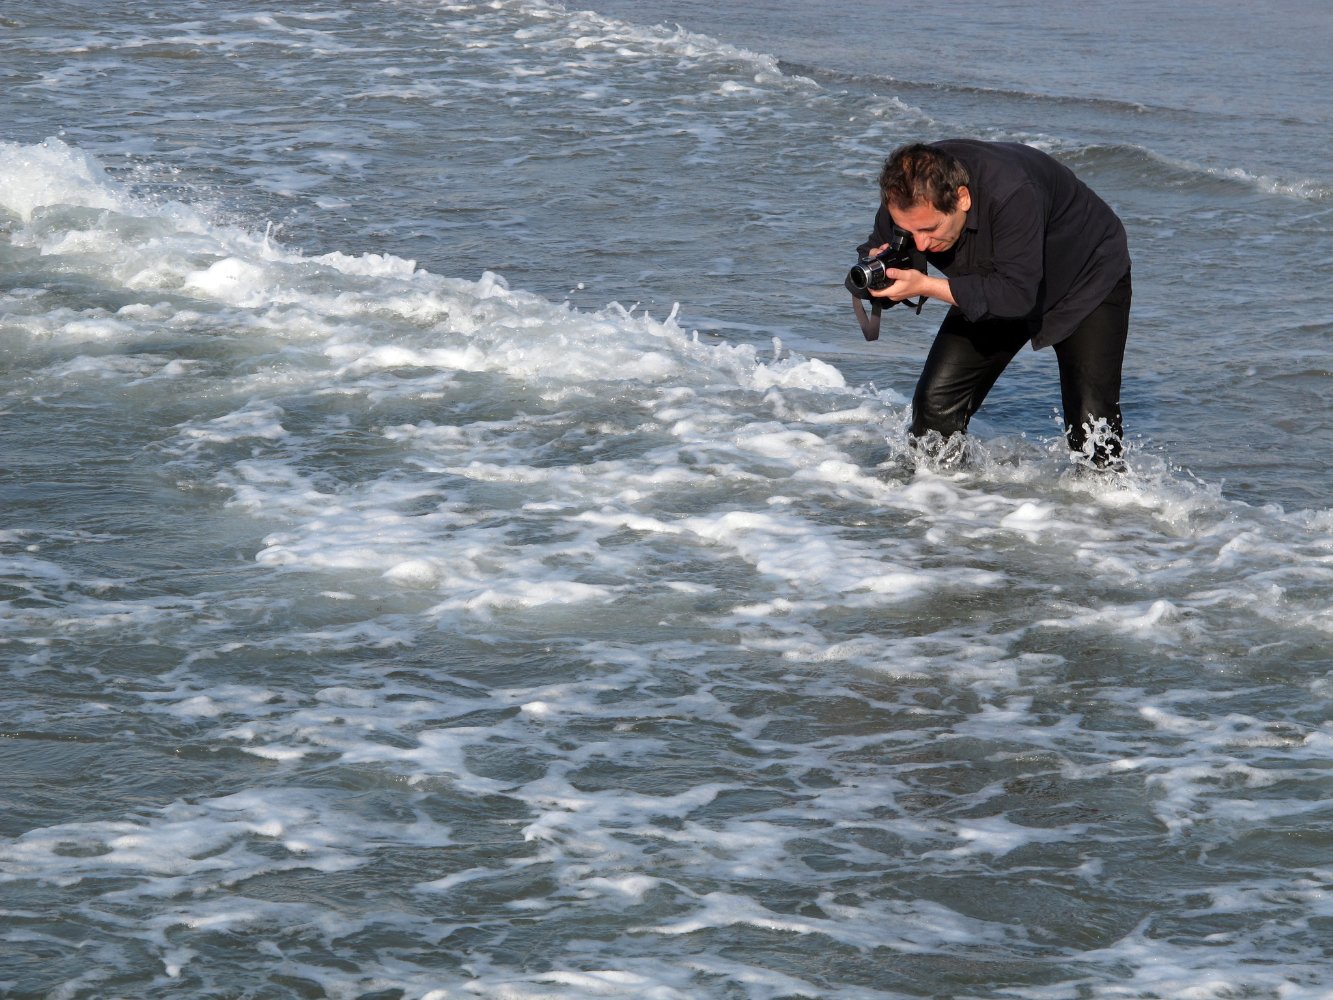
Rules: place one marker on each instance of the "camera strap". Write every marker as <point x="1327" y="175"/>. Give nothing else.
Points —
<point x="870" y="321"/>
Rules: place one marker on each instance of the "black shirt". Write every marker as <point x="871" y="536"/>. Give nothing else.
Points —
<point x="1037" y="242"/>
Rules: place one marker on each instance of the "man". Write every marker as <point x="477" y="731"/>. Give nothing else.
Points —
<point x="1028" y="253"/>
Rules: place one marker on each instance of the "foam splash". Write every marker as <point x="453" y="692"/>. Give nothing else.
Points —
<point x="53" y="173"/>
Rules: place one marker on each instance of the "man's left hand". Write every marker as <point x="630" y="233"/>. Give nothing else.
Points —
<point x="912" y="284"/>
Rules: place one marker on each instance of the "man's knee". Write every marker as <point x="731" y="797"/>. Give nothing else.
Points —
<point x="935" y="407"/>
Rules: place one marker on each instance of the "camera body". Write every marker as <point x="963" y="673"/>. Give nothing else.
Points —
<point x="868" y="274"/>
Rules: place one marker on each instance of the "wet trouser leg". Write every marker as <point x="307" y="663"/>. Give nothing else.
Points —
<point x="966" y="359"/>
<point x="963" y="363"/>
<point x="1091" y="359"/>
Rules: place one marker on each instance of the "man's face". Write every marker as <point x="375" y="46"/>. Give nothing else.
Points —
<point x="932" y="229"/>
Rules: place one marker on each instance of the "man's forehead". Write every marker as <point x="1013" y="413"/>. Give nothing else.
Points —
<point x="919" y="216"/>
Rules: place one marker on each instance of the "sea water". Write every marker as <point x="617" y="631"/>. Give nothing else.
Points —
<point x="456" y="543"/>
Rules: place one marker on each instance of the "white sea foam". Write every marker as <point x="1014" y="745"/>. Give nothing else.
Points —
<point x="53" y="173"/>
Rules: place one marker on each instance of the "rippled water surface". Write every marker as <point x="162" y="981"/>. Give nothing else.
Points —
<point x="455" y="542"/>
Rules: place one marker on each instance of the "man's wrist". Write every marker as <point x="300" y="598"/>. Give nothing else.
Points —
<point x="938" y="288"/>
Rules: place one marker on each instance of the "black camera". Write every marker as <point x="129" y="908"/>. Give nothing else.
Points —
<point x="868" y="272"/>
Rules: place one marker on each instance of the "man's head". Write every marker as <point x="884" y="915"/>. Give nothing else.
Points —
<point x="926" y="192"/>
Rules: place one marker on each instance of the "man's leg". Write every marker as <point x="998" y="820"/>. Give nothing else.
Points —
<point x="960" y="369"/>
<point x="1091" y="359"/>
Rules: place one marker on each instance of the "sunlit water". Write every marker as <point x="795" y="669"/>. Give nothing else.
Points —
<point x="456" y="544"/>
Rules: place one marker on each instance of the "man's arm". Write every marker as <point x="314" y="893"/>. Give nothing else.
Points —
<point x="1016" y="233"/>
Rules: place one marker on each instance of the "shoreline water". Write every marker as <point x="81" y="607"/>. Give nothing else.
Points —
<point x="440" y="560"/>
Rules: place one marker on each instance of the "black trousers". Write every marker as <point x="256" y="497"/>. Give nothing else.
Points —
<point x="967" y="358"/>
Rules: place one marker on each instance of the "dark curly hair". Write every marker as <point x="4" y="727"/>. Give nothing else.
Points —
<point x="918" y="174"/>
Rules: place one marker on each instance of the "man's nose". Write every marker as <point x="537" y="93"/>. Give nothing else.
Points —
<point x="921" y="242"/>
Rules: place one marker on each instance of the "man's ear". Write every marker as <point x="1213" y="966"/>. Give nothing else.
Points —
<point x="964" y="197"/>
